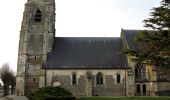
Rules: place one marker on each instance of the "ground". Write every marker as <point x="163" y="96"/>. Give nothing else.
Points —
<point x="13" y="97"/>
<point x="126" y="98"/>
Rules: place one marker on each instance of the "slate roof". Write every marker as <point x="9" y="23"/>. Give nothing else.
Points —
<point x="86" y="53"/>
<point x="130" y="36"/>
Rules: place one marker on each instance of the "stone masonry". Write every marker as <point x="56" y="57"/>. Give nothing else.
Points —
<point x="36" y="40"/>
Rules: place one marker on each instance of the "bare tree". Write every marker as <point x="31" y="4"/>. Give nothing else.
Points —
<point x="8" y="78"/>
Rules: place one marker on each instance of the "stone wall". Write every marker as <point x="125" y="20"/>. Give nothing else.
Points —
<point x="78" y="89"/>
<point x="163" y="81"/>
<point x="88" y="87"/>
<point x="109" y="88"/>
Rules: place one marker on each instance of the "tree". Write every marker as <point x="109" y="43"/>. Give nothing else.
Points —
<point x="154" y="44"/>
<point x="8" y="78"/>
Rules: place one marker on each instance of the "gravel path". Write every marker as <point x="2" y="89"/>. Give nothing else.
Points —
<point x="13" y="97"/>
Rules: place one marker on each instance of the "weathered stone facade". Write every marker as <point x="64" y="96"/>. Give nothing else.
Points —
<point x="84" y="66"/>
<point x="163" y="81"/>
<point x="36" y="40"/>
<point x="89" y="87"/>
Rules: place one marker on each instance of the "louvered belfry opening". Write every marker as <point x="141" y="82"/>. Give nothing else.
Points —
<point x="38" y="16"/>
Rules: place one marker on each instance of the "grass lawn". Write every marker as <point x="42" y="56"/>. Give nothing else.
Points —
<point x="125" y="98"/>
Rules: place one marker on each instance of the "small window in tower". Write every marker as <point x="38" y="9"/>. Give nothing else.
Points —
<point x="33" y="79"/>
<point x="38" y="16"/>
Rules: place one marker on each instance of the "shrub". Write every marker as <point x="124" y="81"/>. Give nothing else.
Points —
<point x="60" y="98"/>
<point x="51" y="93"/>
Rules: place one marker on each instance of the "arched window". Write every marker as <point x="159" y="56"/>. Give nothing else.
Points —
<point x="140" y="71"/>
<point x="99" y="78"/>
<point x="38" y="16"/>
<point x="33" y="79"/>
<point x="74" y="78"/>
<point x="137" y="72"/>
<point x="118" y="78"/>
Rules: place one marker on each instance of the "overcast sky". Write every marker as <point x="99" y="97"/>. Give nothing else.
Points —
<point x="89" y="18"/>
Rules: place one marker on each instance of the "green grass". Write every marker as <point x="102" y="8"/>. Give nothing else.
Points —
<point x="125" y="98"/>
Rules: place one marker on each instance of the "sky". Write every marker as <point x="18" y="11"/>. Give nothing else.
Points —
<point x="74" y="18"/>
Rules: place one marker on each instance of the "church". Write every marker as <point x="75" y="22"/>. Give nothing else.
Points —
<point x="86" y="66"/>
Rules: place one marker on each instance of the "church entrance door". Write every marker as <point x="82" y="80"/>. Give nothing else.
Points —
<point x="144" y="89"/>
<point x="138" y="92"/>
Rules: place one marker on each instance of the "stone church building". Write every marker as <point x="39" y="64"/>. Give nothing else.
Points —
<point x="86" y="66"/>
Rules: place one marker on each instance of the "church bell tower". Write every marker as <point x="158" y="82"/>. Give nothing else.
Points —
<point x="36" y="40"/>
